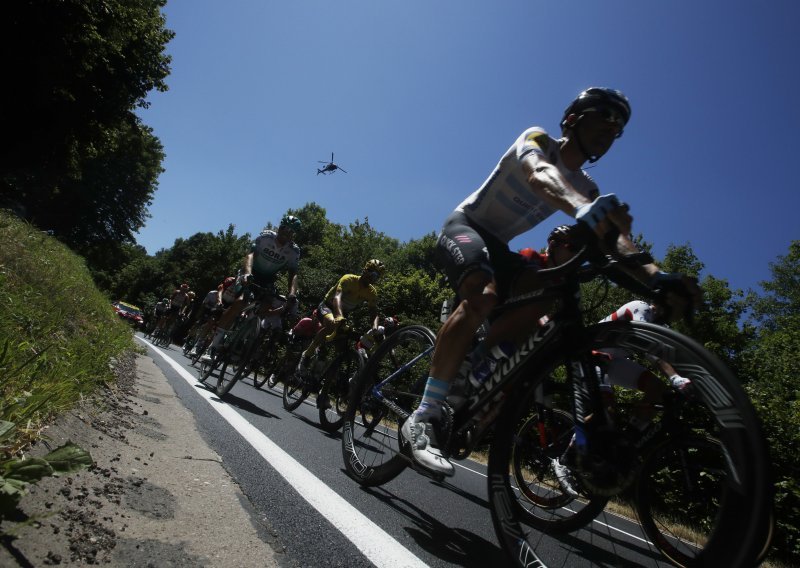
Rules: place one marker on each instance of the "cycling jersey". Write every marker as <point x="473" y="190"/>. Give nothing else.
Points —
<point x="354" y="293"/>
<point x="504" y="205"/>
<point x="161" y="308"/>
<point x="230" y="291"/>
<point x="632" y="311"/>
<point x="211" y="299"/>
<point x="621" y="370"/>
<point x="179" y="299"/>
<point x="269" y="257"/>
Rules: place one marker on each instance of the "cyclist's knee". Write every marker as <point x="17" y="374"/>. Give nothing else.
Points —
<point x="478" y="294"/>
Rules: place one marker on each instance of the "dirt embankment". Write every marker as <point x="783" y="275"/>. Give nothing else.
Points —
<point x="157" y="495"/>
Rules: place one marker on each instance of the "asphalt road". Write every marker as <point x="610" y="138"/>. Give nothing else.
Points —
<point x="292" y="473"/>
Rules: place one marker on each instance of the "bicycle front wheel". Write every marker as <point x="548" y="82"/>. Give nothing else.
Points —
<point x="294" y="391"/>
<point x="333" y="394"/>
<point x="542" y="438"/>
<point x="381" y="398"/>
<point x="728" y="506"/>
<point x="237" y="355"/>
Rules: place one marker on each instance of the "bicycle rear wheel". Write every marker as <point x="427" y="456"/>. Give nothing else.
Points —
<point x="371" y="448"/>
<point x="735" y="519"/>
<point x="336" y="388"/>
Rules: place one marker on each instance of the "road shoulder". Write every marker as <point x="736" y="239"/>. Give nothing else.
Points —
<point x="156" y="496"/>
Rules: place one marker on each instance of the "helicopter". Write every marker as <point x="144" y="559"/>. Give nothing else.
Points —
<point x="329" y="167"/>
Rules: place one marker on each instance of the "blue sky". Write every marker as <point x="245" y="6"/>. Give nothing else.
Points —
<point x="419" y="99"/>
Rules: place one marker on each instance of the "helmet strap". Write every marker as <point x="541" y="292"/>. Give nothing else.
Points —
<point x="591" y="158"/>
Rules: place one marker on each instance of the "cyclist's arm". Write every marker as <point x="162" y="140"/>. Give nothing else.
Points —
<point x="292" y="283"/>
<point x="550" y="185"/>
<point x="336" y="304"/>
<point x="247" y="265"/>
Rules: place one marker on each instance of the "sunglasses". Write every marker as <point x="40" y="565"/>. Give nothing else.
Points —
<point x="610" y="116"/>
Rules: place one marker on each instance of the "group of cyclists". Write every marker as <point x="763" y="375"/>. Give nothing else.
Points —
<point x="538" y="175"/>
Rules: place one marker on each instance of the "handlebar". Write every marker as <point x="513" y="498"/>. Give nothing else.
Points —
<point x="594" y="258"/>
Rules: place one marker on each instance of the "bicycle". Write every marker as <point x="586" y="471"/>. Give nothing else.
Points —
<point x="269" y="358"/>
<point x="330" y="374"/>
<point x="608" y="462"/>
<point x="238" y="346"/>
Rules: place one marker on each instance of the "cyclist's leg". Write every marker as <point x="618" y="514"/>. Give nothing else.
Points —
<point x="328" y="326"/>
<point x="467" y="265"/>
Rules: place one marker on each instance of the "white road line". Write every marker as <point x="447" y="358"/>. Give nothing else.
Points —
<point x="375" y="543"/>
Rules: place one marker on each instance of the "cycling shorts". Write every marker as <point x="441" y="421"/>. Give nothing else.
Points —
<point x="464" y="247"/>
<point x="324" y="312"/>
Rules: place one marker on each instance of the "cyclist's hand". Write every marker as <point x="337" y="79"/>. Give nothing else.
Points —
<point x="247" y="278"/>
<point x="291" y="299"/>
<point x="678" y="295"/>
<point x="603" y="212"/>
<point x="338" y="319"/>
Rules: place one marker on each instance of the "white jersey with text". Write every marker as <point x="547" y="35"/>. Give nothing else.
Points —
<point x="505" y="205"/>
<point x="269" y="257"/>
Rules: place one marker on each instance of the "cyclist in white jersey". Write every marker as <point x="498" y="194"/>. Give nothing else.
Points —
<point x="271" y="253"/>
<point x="536" y="176"/>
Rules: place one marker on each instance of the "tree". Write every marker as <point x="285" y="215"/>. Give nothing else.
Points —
<point x="78" y="161"/>
<point x="772" y="369"/>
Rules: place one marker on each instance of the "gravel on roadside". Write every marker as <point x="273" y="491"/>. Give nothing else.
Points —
<point x="157" y="495"/>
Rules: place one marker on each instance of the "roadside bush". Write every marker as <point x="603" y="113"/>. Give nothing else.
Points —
<point x="58" y="333"/>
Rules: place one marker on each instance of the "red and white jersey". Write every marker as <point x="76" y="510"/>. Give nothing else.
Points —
<point x="505" y="205"/>
<point x="632" y="311"/>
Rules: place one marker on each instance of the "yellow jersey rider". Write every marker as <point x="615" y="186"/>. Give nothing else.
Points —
<point x="350" y="292"/>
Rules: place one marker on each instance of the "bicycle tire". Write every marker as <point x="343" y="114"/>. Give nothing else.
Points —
<point x="371" y="443"/>
<point x="267" y="364"/>
<point x="691" y="464"/>
<point x="238" y="353"/>
<point x="207" y="368"/>
<point x="547" y="506"/>
<point x="295" y="391"/>
<point x="337" y="387"/>
<point x="720" y="409"/>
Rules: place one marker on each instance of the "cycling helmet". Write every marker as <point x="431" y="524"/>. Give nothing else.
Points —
<point x="561" y="235"/>
<point x="229" y="281"/>
<point x="375" y="265"/>
<point x="165" y="300"/>
<point x="390" y="323"/>
<point x="597" y="99"/>
<point x="184" y="286"/>
<point x="190" y="294"/>
<point x="291" y="222"/>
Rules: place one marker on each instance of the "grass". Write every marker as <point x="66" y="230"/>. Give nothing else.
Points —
<point x="58" y="333"/>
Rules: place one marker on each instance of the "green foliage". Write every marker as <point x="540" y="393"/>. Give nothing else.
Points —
<point x="58" y="333"/>
<point x="770" y="365"/>
<point x="17" y="474"/>
<point x="79" y="161"/>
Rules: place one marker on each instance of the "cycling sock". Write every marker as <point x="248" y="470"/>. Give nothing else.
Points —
<point x="433" y="397"/>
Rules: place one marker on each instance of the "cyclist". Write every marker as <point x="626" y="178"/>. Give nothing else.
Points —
<point x="350" y="292"/>
<point x="208" y="307"/>
<point x="535" y="177"/>
<point x="272" y="252"/>
<point x="375" y="335"/>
